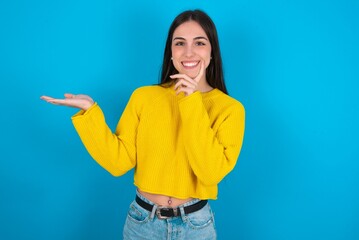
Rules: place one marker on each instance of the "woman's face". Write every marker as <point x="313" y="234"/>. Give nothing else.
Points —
<point x="190" y="46"/>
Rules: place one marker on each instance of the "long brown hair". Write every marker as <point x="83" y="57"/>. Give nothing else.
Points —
<point x="214" y="71"/>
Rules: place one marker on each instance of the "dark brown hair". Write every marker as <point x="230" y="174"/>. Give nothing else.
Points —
<point x="214" y="71"/>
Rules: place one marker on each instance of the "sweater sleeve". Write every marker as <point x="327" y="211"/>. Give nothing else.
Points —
<point x="212" y="155"/>
<point x="116" y="152"/>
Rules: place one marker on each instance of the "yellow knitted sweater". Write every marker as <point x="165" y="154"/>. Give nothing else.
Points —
<point x="180" y="146"/>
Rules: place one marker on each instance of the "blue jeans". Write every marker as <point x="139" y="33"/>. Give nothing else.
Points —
<point x="142" y="224"/>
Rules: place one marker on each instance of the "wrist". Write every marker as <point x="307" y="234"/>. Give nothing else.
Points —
<point x="87" y="105"/>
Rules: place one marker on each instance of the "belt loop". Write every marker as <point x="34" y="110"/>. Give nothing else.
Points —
<point x="153" y="211"/>
<point x="183" y="215"/>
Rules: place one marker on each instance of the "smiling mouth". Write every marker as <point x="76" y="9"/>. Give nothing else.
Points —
<point x="190" y="64"/>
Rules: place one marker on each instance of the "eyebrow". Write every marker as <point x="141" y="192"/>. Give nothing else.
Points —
<point x="196" y="38"/>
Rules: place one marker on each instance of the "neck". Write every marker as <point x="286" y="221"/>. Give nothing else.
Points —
<point x="203" y="86"/>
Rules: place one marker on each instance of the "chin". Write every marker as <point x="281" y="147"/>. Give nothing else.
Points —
<point x="191" y="74"/>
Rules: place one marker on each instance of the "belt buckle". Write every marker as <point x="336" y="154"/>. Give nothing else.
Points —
<point x="159" y="215"/>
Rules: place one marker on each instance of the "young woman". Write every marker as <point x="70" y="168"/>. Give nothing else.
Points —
<point x="182" y="136"/>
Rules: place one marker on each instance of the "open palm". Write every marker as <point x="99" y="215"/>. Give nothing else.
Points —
<point x="71" y="100"/>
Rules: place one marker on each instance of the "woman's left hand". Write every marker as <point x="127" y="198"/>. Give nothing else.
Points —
<point x="186" y="84"/>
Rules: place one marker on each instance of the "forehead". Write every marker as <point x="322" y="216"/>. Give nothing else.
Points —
<point x="189" y="29"/>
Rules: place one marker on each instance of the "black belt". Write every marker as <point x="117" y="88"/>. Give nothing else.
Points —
<point x="167" y="212"/>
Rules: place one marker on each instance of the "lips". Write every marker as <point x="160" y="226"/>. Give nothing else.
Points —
<point x="190" y="64"/>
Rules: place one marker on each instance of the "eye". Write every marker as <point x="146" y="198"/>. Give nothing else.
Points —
<point x="179" y="43"/>
<point x="200" y="43"/>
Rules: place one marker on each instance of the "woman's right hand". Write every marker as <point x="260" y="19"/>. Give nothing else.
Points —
<point x="81" y="101"/>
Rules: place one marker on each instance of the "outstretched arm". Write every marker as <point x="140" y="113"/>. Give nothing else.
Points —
<point x="115" y="152"/>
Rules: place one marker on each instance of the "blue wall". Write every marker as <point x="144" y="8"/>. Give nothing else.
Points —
<point x="293" y="64"/>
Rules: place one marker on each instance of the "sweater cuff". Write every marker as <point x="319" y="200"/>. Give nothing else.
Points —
<point x="81" y="113"/>
<point x="190" y="98"/>
<point x="191" y="107"/>
<point x="89" y="120"/>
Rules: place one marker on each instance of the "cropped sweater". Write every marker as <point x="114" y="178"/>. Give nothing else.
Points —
<point x="180" y="146"/>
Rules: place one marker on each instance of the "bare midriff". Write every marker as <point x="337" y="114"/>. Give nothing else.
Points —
<point x="164" y="200"/>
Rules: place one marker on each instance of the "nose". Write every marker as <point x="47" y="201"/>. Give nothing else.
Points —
<point x="189" y="51"/>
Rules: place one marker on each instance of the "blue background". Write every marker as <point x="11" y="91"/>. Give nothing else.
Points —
<point x="293" y="64"/>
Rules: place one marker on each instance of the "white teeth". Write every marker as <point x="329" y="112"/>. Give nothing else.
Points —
<point x="190" y="64"/>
